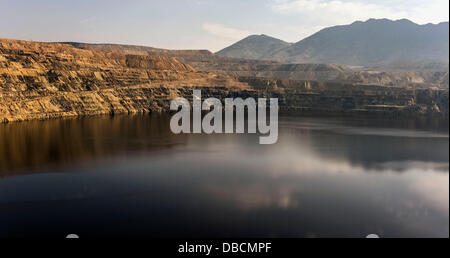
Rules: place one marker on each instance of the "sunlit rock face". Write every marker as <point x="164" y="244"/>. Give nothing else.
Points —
<point x="45" y="80"/>
<point x="49" y="80"/>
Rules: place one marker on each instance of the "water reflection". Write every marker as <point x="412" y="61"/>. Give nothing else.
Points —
<point x="376" y="143"/>
<point x="25" y="146"/>
<point x="335" y="177"/>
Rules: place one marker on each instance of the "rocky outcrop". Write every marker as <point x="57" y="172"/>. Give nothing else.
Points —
<point x="43" y="80"/>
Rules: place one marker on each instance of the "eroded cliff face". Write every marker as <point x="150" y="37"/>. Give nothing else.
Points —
<point x="46" y="80"/>
<point x="49" y="80"/>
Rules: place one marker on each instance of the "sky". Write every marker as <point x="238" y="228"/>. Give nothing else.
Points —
<point x="197" y="24"/>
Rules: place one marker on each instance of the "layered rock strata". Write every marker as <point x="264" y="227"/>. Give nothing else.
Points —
<point x="49" y="80"/>
<point x="44" y="80"/>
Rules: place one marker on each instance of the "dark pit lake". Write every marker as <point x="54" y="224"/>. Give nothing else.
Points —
<point x="125" y="176"/>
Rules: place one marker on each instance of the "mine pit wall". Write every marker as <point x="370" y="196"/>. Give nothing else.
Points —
<point x="341" y="97"/>
<point x="115" y="92"/>
<point x="42" y="81"/>
<point x="46" y="80"/>
<point x="121" y="100"/>
<point x="309" y="97"/>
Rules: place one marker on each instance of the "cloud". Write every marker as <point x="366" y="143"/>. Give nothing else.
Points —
<point x="434" y="11"/>
<point x="87" y="20"/>
<point x="334" y="12"/>
<point x="225" y="32"/>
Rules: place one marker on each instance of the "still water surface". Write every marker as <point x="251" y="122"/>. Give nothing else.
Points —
<point x="130" y="176"/>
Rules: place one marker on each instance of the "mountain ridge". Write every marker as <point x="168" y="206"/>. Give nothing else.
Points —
<point x="373" y="42"/>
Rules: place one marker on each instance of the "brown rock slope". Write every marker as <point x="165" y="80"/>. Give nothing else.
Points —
<point x="45" y="80"/>
<point x="321" y="87"/>
<point x="203" y="60"/>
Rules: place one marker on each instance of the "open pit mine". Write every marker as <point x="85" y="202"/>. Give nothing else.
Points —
<point x="51" y="80"/>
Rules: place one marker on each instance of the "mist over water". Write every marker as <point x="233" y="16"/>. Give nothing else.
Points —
<point x="130" y="176"/>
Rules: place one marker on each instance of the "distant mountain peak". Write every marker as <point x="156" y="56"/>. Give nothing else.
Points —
<point x="254" y="47"/>
<point x="389" y="21"/>
<point x="261" y="36"/>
